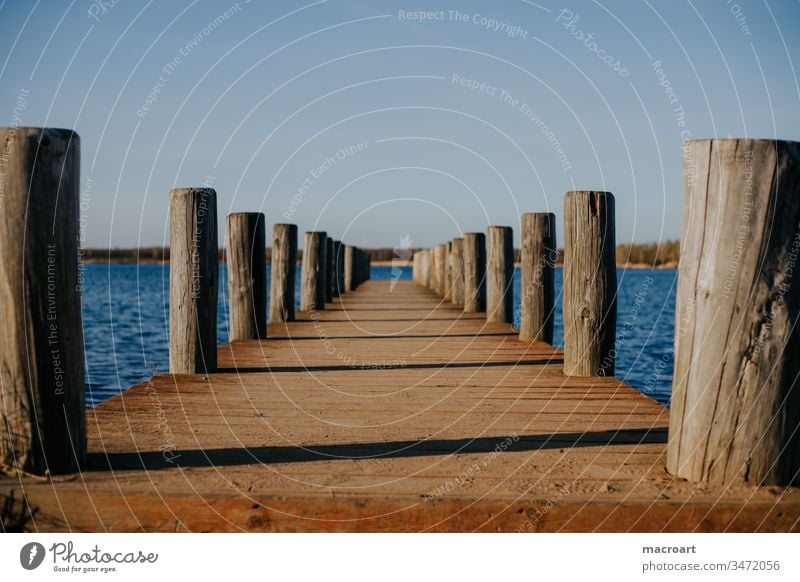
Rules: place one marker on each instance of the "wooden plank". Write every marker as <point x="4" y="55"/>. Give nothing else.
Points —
<point x="472" y="430"/>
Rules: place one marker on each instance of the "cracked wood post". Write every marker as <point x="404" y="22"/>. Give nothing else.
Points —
<point x="499" y="274"/>
<point x="312" y="282"/>
<point x="474" y="272"/>
<point x="590" y="284"/>
<point x="736" y="393"/>
<point x="42" y="424"/>
<point x="193" y="281"/>
<point x="537" y="267"/>
<point x="457" y="271"/>
<point x="283" y="273"/>
<point x="247" y="276"/>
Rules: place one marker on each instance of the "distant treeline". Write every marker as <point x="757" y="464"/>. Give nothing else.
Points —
<point x="655" y="254"/>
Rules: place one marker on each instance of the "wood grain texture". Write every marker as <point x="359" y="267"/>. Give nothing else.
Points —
<point x="474" y="272"/>
<point x="457" y="271"/>
<point x="247" y="276"/>
<point x="499" y="274"/>
<point x="538" y="256"/>
<point x="590" y="284"/>
<point x="736" y="398"/>
<point x="406" y="414"/>
<point x="313" y="274"/>
<point x="42" y="427"/>
<point x="193" y="280"/>
<point x="283" y="273"/>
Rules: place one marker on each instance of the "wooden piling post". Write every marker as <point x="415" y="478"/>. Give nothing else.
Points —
<point x="247" y="276"/>
<point x="499" y="274"/>
<point x="426" y="268"/>
<point x="457" y="271"/>
<point x="538" y="255"/>
<point x="193" y="281"/>
<point x="448" y="276"/>
<point x="590" y="284"/>
<point x="474" y="272"/>
<point x="736" y="398"/>
<point x="350" y="253"/>
<point x="42" y="426"/>
<point x="313" y="276"/>
<point x="338" y="268"/>
<point x="283" y="273"/>
<point x="330" y="269"/>
<point x="440" y="255"/>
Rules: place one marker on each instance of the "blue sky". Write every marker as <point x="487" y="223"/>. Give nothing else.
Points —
<point x="368" y="121"/>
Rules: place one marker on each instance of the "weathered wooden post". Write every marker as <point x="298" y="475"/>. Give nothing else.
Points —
<point x="538" y="255"/>
<point x="368" y="267"/>
<point x="735" y="416"/>
<point x="313" y="276"/>
<point x="590" y="284"/>
<point x="457" y="271"/>
<point x="282" y="273"/>
<point x="440" y="256"/>
<point x="330" y="269"/>
<point x="426" y="268"/>
<point x="42" y="426"/>
<point x="338" y="268"/>
<point x="448" y="275"/>
<point x="350" y="277"/>
<point x="415" y="267"/>
<point x="193" y="281"/>
<point x="247" y="276"/>
<point x="474" y="272"/>
<point x="499" y="274"/>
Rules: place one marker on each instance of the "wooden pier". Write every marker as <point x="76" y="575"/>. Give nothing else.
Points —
<point x="408" y="405"/>
<point x="388" y="411"/>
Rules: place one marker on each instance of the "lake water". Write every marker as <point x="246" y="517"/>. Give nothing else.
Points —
<point x="126" y="315"/>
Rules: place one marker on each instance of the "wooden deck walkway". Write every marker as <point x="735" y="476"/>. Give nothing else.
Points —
<point x="408" y="416"/>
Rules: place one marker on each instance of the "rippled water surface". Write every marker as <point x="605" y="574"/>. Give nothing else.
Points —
<point x="126" y="309"/>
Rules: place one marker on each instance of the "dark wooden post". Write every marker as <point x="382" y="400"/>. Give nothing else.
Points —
<point x="42" y="426"/>
<point x="590" y="284"/>
<point x="338" y="268"/>
<point x="330" y="269"/>
<point x="312" y="283"/>
<point x="538" y="256"/>
<point x="474" y="272"/>
<point x="247" y="276"/>
<point x="283" y="273"/>
<point x="457" y="271"/>
<point x="193" y="281"/>
<point x="499" y="274"/>
<point x="735" y="416"/>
